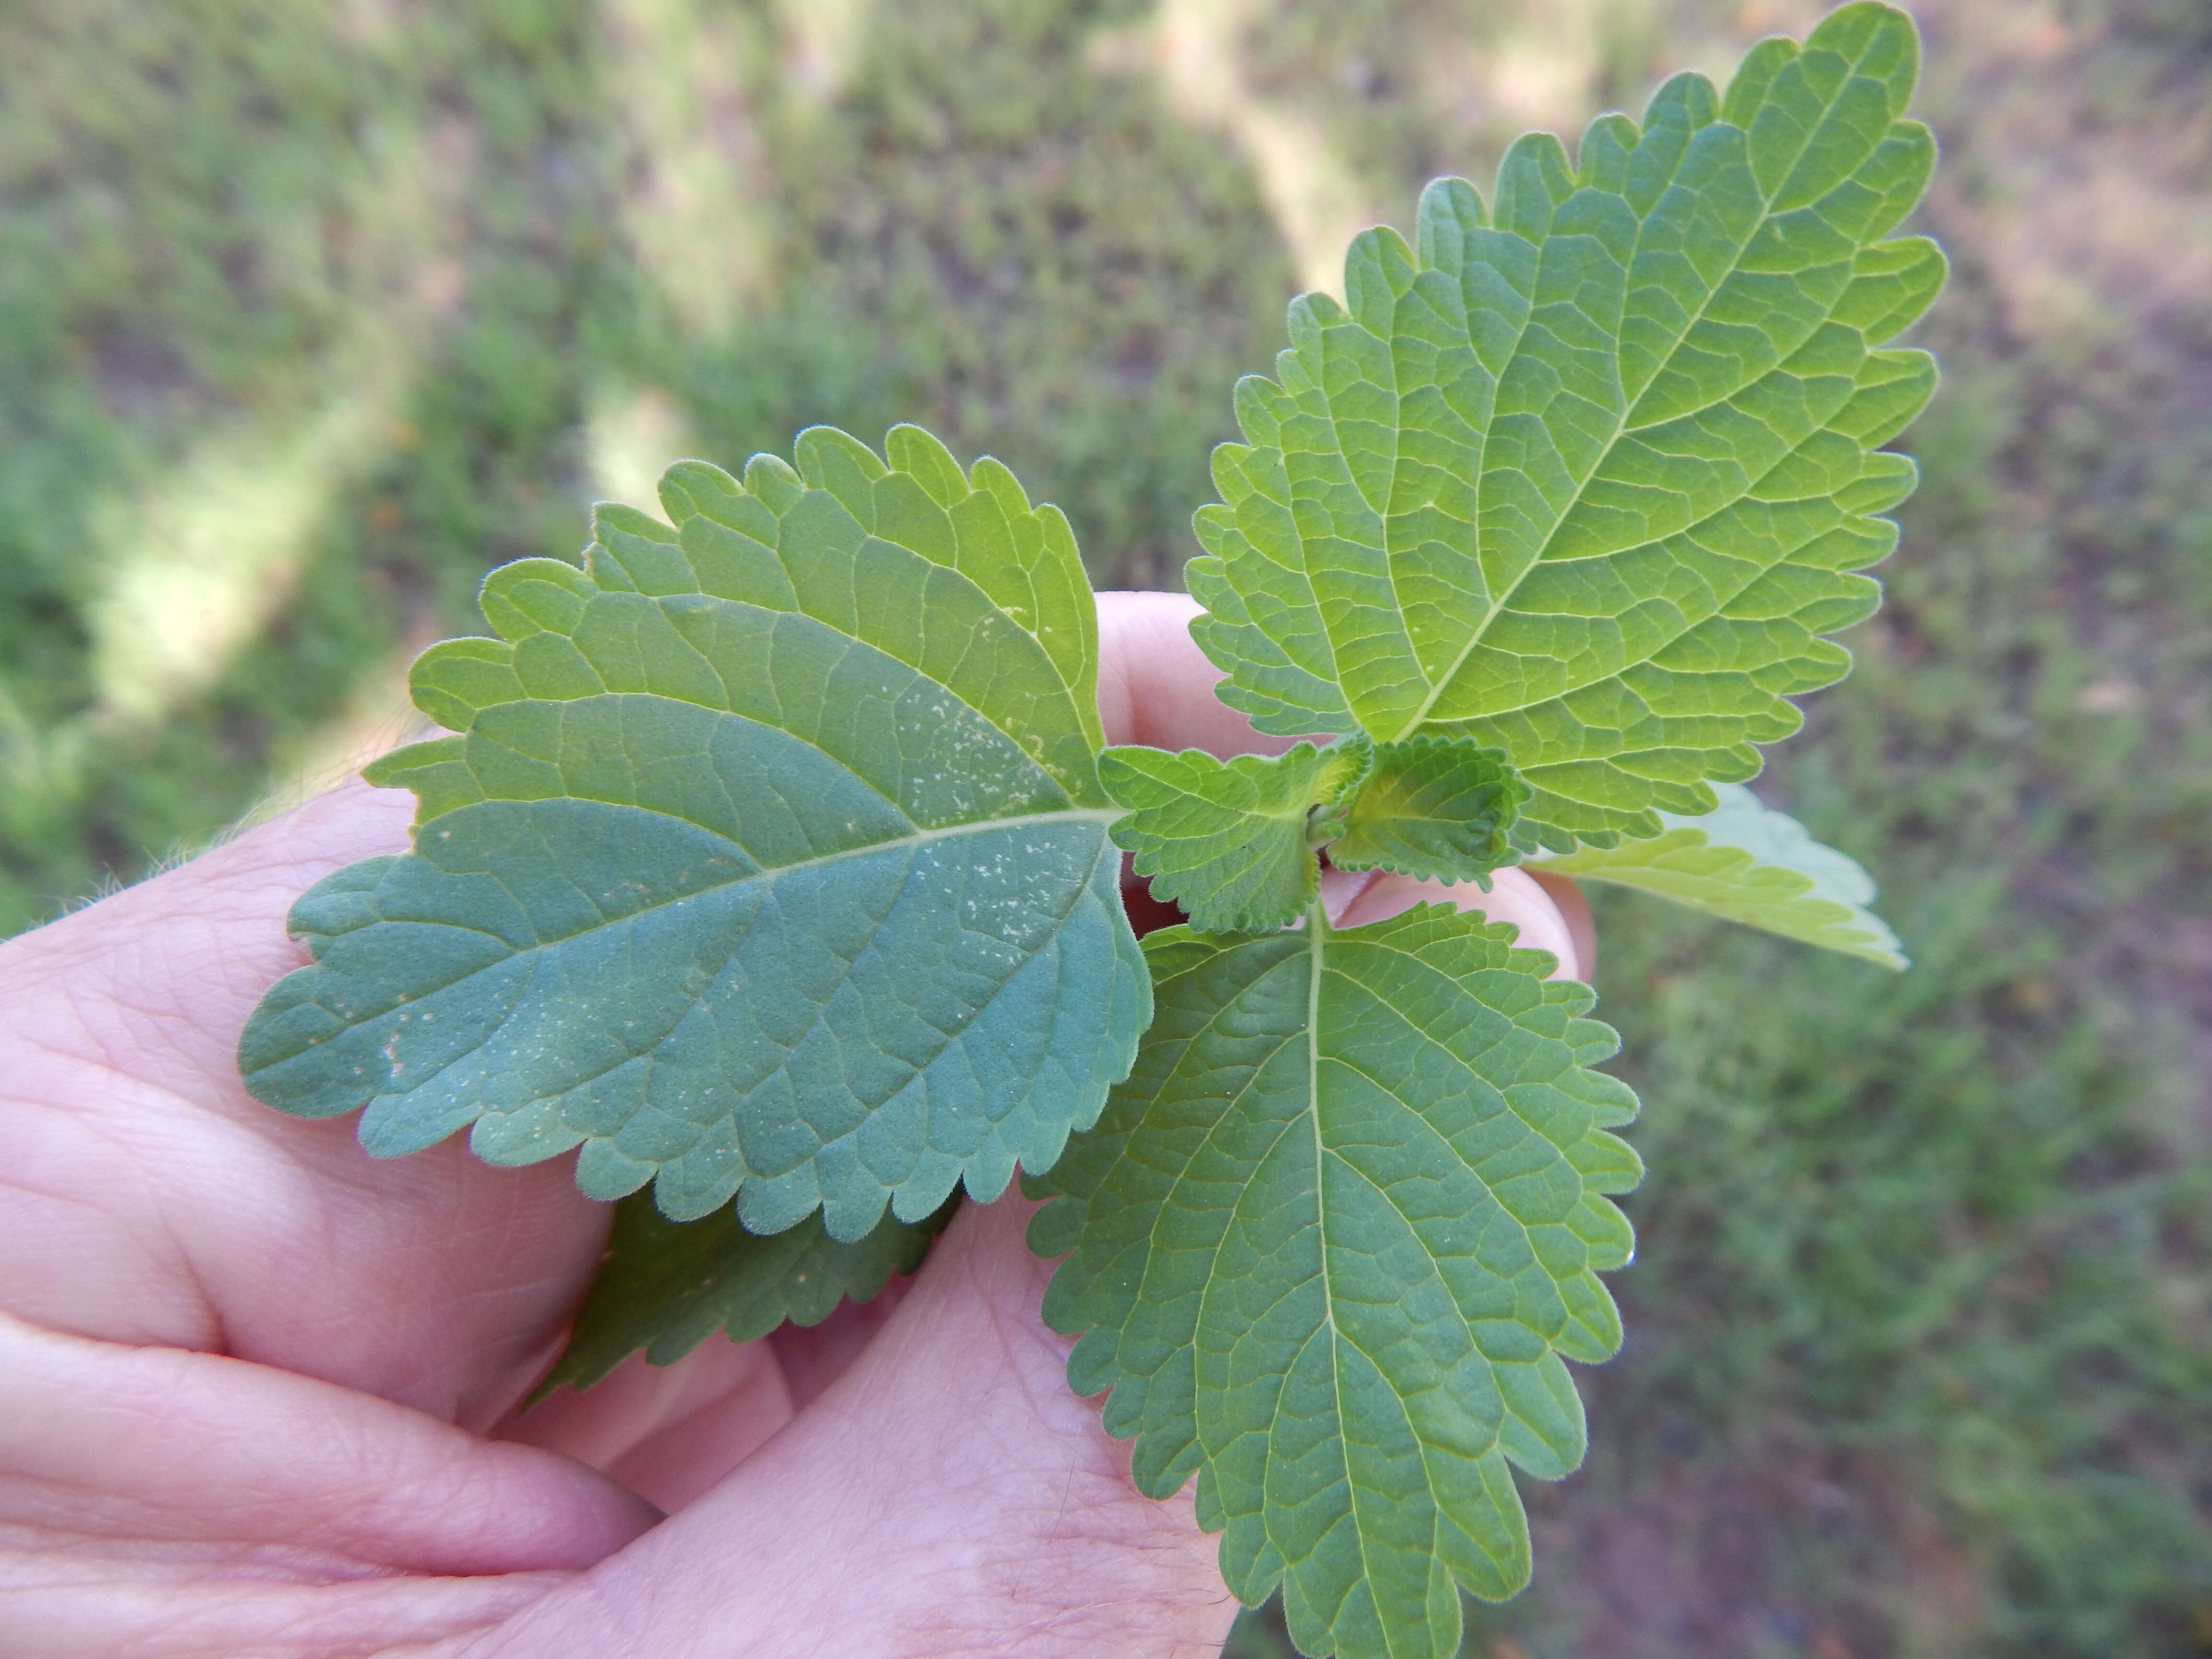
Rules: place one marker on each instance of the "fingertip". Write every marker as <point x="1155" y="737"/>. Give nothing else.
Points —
<point x="1156" y="686"/>
<point x="1514" y="896"/>
<point x="1566" y="893"/>
<point x="1143" y="639"/>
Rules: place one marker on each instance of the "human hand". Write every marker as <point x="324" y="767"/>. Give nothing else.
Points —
<point x="256" y="1388"/>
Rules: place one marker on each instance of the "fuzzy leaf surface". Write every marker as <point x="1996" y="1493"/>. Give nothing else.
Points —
<point x="1587" y="474"/>
<point x="1226" y="840"/>
<point x="1329" y="1245"/>
<point x="770" y="860"/>
<point x="1435" y="807"/>
<point x="665" y="1286"/>
<point x="1749" y="864"/>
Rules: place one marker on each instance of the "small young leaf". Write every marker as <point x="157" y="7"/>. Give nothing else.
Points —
<point x="1226" y="840"/>
<point x="1587" y="474"/>
<point x="1752" y="865"/>
<point x="769" y="860"/>
<point x="665" y="1286"/>
<point x="1435" y="807"/>
<point x="1327" y="1246"/>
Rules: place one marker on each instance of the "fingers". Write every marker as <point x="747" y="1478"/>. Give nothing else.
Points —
<point x="183" y="957"/>
<point x="667" y="1432"/>
<point x="946" y="1495"/>
<point x="149" y="1199"/>
<point x="1156" y="686"/>
<point x="163" y="1502"/>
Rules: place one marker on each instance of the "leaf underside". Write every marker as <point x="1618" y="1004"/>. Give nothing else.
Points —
<point x="769" y="858"/>
<point x="665" y="1286"/>
<point x="1748" y="864"/>
<point x="1329" y="1245"/>
<point x="1587" y="475"/>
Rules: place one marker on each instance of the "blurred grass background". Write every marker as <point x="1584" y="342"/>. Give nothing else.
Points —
<point x="312" y="310"/>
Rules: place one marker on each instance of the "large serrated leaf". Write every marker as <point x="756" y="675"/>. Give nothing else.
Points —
<point x="770" y="860"/>
<point x="1752" y="865"/>
<point x="665" y="1286"/>
<point x="1327" y="1247"/>
<point x="1587" y="475"/>
<point x="1226" y="840"/>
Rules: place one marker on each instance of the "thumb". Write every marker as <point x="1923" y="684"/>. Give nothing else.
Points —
<point x="947" y="1495"/>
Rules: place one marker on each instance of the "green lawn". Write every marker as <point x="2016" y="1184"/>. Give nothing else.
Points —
<point x="310" y="312"/>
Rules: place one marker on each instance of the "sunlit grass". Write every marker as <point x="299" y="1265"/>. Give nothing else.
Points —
<point x="634" y="436"/>
<point x="1195" y="49"/>
<point x="697" y="211"/>
<point x="209" y="550"/>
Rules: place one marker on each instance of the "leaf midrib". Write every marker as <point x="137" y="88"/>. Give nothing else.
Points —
<point x="1722" y="599"/>
<point x="920" y="837"/>
<point x="1317" y="931"/>
<point x="647" y="1053"/>
<point x="1620" y="425"/>
<point x="757" y="872"/>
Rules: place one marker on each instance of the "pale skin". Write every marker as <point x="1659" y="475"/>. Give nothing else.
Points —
<point x="259" y="1391"/>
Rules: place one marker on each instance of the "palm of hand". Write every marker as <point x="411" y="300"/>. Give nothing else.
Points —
<point x="258" y="1385"/>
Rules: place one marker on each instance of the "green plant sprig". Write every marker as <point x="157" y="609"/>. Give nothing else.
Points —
<point x="771" y="863"/>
